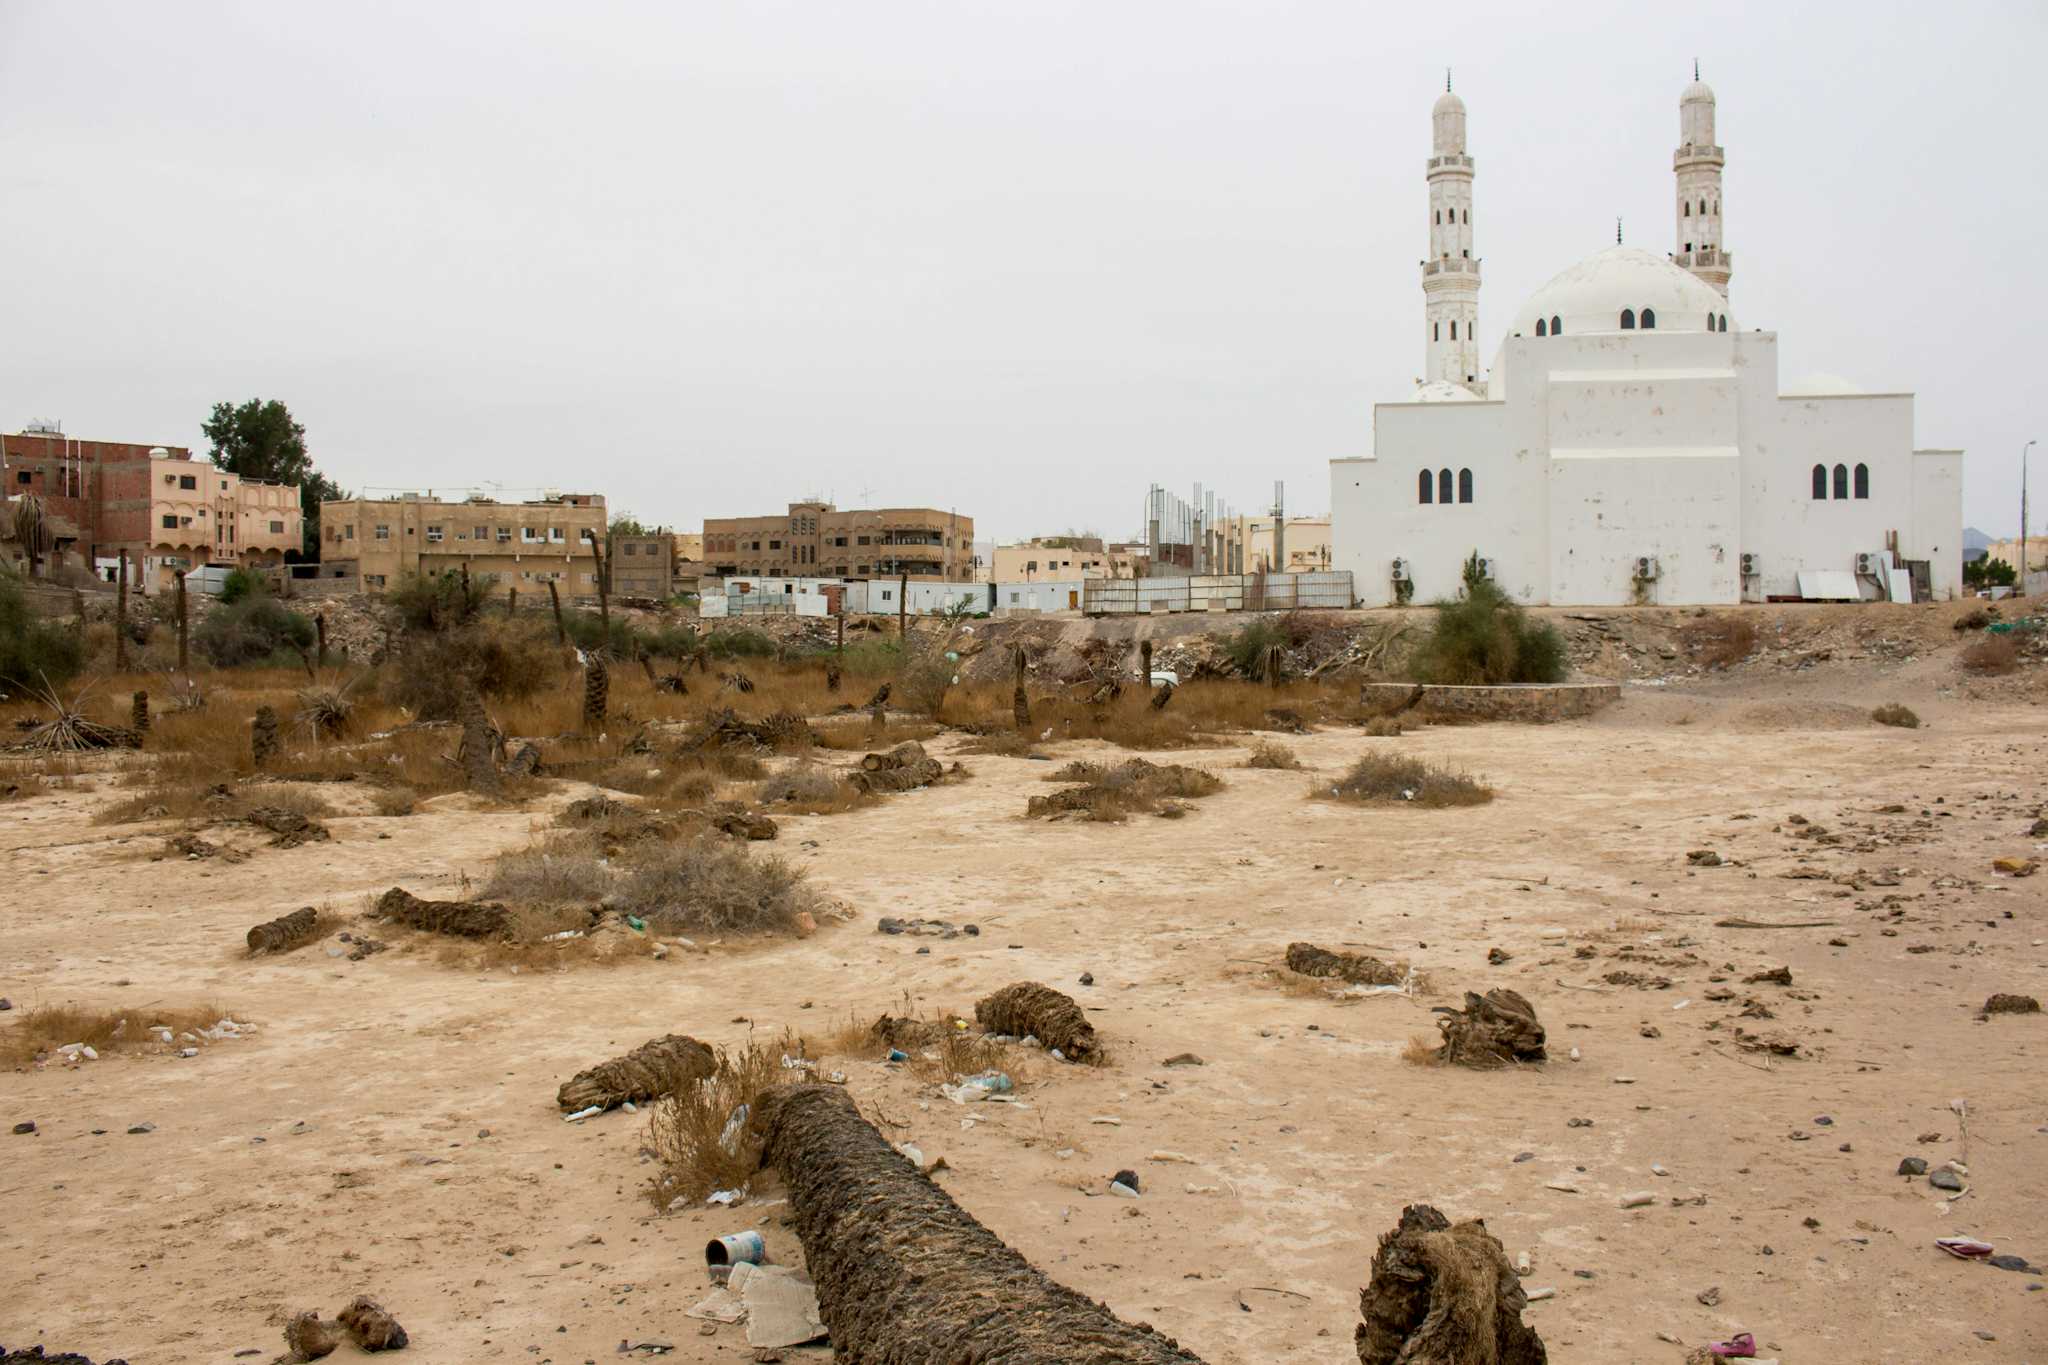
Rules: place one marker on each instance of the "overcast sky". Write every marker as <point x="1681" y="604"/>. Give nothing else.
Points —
<point x="1015" y="259"/>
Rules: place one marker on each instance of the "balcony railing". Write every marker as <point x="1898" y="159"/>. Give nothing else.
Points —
<point x="1706" y="256"/>
<point x="1452" y="265"/>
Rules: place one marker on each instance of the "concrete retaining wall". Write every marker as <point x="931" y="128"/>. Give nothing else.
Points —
<point x="1539" y="703"/>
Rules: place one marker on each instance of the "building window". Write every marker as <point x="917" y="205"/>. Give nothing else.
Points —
<point x="863" y="540"/>
<point x="1724" y="322"/>
<point x="1439" y="217"/>
<point x="1820" y="482"/>
<point x="1556" y="325"/>
<point x="627" y="547"/>
<point x="1468" y="220"/>
<point x="1443" y="486"/>
<point x="188" y="481"/>
<point x="348" y="532"/>
<point x="433" y="535"/>
<point x="1542" y="328"/>
<point x="1464" y="485"/>
<point x="277" y="527"/>
<point x="1841" y="481"/>
<point x="504" y="534"/>
<point x="1862" y="480"/>
<point x="1628" y="319"/>
<point x="383" y="533"/>
<point x="1436" y="331"/>
<point x="170" y="523"/>
<point x="1454" y="329"/>
<point x="1685" y="211"/>
<point x="774" y="544"/>
<point x="1649" y="318"/>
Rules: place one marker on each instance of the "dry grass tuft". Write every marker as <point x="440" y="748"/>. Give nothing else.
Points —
<point x="1269" y="754"/>
<point x="1991" y="656"/>
<point x="1112" y="792"/>
<point x="1720" y="641"/>
<point x="1423" y="1050"/>
<point x="44" y="1028"/>
<point x="811" y="789"/>
<point x="1393" y="778"/>
<point x="1000" y="743"/>
<point x="1893" y="713"/>
<point x="1382" y="727"/>
<point x="701" y="1135"/>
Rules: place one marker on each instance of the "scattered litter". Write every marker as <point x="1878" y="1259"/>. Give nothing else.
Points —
<point x="582" y="1114"/>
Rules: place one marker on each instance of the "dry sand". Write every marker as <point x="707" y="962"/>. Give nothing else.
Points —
<point x="392" y="1130"/>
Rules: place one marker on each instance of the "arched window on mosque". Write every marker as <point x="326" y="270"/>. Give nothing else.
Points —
<point x="1556" y="325"/>
<point x="1686" y="208"/>
<point x="1436" y="331"/>
<point x="1454" y="329"/>
<point x="1724" y="322"/>
<point x="1439" y="217"/>
<point x="1841" y="481"/>
<point x="1425" y="485"/>
<point x="1465" y="484"/>
<point x="1542" y="328"/>
<point x="1443" y="486"/>
<point x="1468" y="217"/>
<point x="1820" y="482"/>
<point x="1649" y="318"/>
<point x="1862" y="480"/>
<point x="1628" y="319"/>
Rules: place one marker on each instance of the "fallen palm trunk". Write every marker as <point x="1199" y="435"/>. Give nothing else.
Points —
<point x="1310" y="960"/>
<point x="290" y="827"/>
<point x="1497" y="1027"/>
<point x="1029" y="1010"/>
<point x="1443" y="1294"/>
<point x="463" y="919"/>
<point x="657" y="1067"/>
<point x="900" y="770"/>
<point x="370" y="1327"/>
<point x="284" y="933"/>
<point x="905" y="1275"/>
<point x="724" y="728"/>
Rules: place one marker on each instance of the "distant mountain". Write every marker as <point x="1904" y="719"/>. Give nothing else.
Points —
<point x="1974" y="539"/>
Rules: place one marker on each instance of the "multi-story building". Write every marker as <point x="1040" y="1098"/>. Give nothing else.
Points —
<point x="642" y="566"/>
<point x="1058" y="559"/>
<point x="817" y="540"/>
<point x="166" y="510"/>
<point x="525" y="545"/>
<point x="1305" y="547"/>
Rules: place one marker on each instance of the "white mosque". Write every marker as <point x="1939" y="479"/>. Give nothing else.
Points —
<point x="1630" y="443"/>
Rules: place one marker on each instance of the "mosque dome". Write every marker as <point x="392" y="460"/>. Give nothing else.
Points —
<point x="1449" y="103"/>
<point x="1442" y="391"/>
<point x="1447" y="126"/>
<point x="1620" y="289"/>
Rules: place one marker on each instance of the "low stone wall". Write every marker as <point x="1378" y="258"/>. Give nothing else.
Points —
<point x="1538" y="703"/>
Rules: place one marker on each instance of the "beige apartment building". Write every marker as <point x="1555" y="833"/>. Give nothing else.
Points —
<point x="1056" y="559"/>
<point x="1307" y="545"/>
<point x="642" y="566"/>
<point x="525" y="544"/>
<point x="166" y="510"/>
<point x="817" y="540"/>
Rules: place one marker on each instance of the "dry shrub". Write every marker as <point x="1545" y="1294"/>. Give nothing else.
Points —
<point x="1720" y="641"/>
<point x="1992" y="656"/>
<point x="562" y="870"/>
<point x="1892" y="713"/>
<point x="711" y="885"/>
<point x="1391" y="777"/>
<point x="1422" y="1050"/>
<point x="1001" y="743"/>
<point x="507" y="661"/>
<point x="1111" y="792"/>
<point x="44" y="1028"/>
<point x="811" y="789"/>
<point x="700" y="1134"/>
<point x="190" y="800"/>
<point x="858" y="736"/>
<point x="394" y="801"/>
<point x="1382" y="727"/>
<point x="1268" y="754"/>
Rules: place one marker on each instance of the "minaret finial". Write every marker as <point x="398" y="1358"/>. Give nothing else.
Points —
<point x="1617" y="232"/>
<point x="1447" y="80"/>
<point x="1695" y="68"/>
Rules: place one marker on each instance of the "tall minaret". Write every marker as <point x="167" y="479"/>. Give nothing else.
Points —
<point x="1450" y="277"/>
<point x="1698" y="163"/>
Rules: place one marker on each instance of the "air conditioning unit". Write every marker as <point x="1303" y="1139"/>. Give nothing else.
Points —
<point x="1486" y="569"/>
<point x="1646" y="568"/>
<point x="1868" y="566"/>
<point x="1401" y="571"/>
<point x="1752" y="565"/>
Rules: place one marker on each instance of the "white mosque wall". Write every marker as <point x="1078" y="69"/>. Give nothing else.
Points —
<point x="1376" y="517"/>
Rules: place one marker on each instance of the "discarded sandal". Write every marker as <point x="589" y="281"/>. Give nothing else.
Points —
<point x="1740" y="1346"/>
<point x="1965" y="1248"/>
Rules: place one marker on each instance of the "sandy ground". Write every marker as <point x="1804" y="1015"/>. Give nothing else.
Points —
<point x="392" y="1128"/>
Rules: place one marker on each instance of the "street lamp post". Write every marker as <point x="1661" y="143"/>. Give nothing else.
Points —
<point x="2023" y="515"/>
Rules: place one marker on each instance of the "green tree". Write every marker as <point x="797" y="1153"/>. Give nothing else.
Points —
<point x="626" y="524"/>
<point x="1988" y="573"/>
<point x="260" y="440"/>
